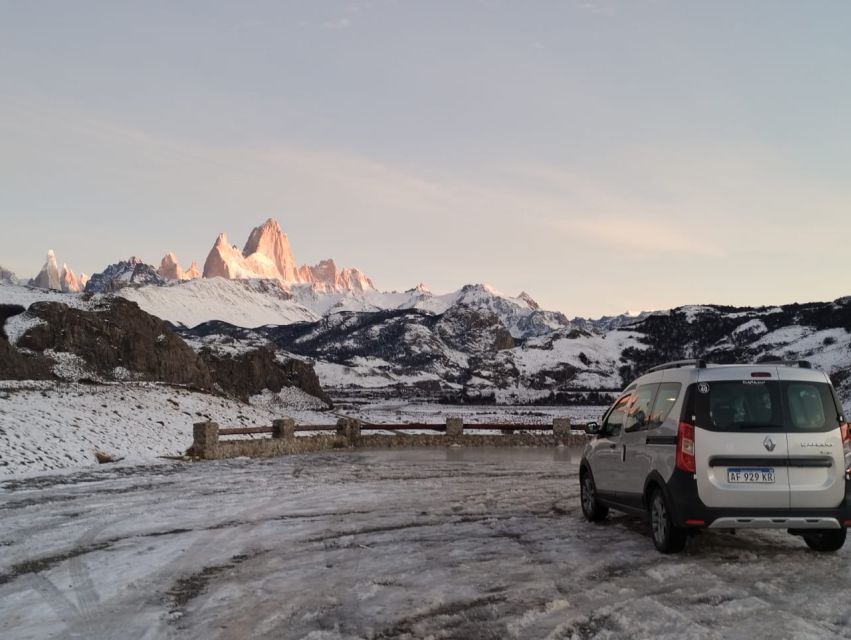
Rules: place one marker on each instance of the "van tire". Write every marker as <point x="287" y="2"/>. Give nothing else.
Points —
<point x="667" y="537"/>
<point x="591" y="507"/>
<point x="826" y="541"/>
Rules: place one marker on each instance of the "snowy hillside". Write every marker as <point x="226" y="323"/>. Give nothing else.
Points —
<point x="46" y="425"/>
<point x="25" y="296"/>
<point x="245" y="303"/>
<point x="467" y="352"/>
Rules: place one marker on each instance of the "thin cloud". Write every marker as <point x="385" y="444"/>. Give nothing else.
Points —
<point x="638" y="237"/>
<point x="337" y="23"/>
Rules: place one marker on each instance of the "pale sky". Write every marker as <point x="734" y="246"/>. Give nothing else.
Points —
<point x="601" y="155"/>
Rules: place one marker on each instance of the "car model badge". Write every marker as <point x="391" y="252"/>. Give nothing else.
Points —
<point x="768" y="443"/>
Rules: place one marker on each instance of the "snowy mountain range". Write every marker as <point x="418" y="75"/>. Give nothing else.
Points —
<point x="474" y="344"/>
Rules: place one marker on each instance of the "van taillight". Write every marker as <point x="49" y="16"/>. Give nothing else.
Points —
<point x="685" y="448"/>
<point x="845" y="429"/>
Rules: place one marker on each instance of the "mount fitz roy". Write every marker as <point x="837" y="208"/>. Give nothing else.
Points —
<point x="471" y="345"/>
<point x="267" y="255"/>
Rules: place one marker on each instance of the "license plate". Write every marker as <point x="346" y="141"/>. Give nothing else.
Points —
<point x="750" y="475"/>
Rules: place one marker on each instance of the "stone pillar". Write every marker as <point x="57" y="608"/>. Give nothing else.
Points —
<point x="343" y="427"/>
<point x="349" y="428"/>
<point x="283" y="429"/>
<point x="205" y="437"/>
<point x="454" y="427"/>
<point x="354" y="430"/>
<point x="561" y="427"/>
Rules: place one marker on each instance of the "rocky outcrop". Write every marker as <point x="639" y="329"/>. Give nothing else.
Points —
<point x="248" y="374"/>
<point x="8" y="311"/>
<point x="118" y="338"/>
<point x="128" y="273"/>
<point x="48" y="277"/>
<point x="170" y="269"/>
<point x="267" y="254"/>
<point x="473" y="331"/>
<point x="17" y="365"/>
<point x="117" y="335"/>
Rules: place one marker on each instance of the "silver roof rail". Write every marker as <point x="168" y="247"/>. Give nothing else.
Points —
<point x="698" y="362"/>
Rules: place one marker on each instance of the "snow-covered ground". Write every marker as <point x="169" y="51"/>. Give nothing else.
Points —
<point x="456" y="543"/>
<point x="25" y="296"/>
<point x="400" y="411"/>
<point x="49" y="426"/>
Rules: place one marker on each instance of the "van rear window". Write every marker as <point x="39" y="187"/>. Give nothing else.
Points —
<point x="764" y="405"/>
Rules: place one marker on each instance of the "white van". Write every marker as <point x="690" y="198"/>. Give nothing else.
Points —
<point x="694" y="445"/>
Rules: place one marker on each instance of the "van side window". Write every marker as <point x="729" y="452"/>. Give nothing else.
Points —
<point x="639" y="409"/>
<point x="613" y="423"/>
<point x="669" y="393"/>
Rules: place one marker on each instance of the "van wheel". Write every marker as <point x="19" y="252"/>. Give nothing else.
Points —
<point x="591" y="507"/>
<point x="829" y="540"/>
<point x="666" y="537"/>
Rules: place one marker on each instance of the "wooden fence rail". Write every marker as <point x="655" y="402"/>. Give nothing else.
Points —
<point x="407" y="426"/>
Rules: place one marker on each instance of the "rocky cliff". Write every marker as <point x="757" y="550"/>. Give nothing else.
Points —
<point x="116" y="340"/>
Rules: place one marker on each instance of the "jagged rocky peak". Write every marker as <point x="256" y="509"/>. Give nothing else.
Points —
<point x="127" y="273"/>
<point x="68" y="280"/>
<point x="421" y="288"/>
<point x="327" y="276"/>
<point x="170" y="269"/>
<point x="7" y="277"/>
<point x="271" y="242"/>
<point x="525" y="297"/>
<point x="267" y="254"/>
<point x="420" y="292"/>
<point x="48" y="277"/>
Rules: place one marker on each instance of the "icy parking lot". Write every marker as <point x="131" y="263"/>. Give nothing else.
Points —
<point x="455" y="543"/>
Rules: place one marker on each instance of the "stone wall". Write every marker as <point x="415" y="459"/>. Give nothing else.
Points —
<point x="208" y="446"/>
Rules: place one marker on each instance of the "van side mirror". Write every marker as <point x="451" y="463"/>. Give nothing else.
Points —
<point x="592" y="429"/>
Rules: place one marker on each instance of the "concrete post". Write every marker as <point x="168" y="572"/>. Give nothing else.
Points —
<point x="561" y="427"/>
<point x="454" y="427"/>
<point x="283" y="429"/>
<point x="205" y="437"/>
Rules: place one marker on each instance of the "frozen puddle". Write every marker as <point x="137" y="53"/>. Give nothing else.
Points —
<point x="457" y="543"/>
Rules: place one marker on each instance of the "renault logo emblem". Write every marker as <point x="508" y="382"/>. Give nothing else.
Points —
<point x="768" y="443"/>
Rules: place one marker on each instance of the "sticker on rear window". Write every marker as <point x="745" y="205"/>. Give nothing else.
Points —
<point x="754" y="381"/>
<point x="703" y="387"/>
